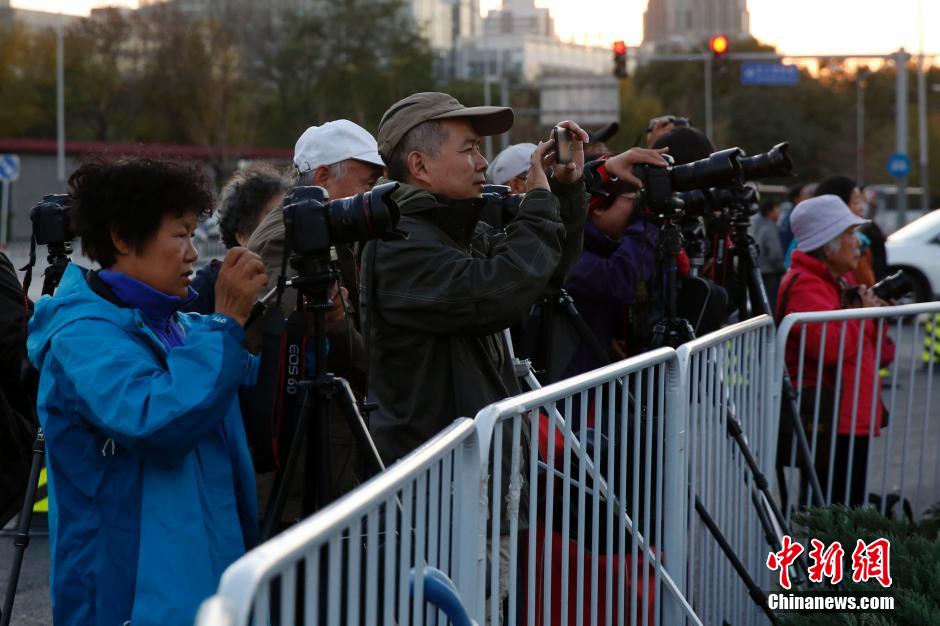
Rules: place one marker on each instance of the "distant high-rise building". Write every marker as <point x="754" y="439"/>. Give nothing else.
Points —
<point x="32" y="19"/>
<point x="688" y="22"/>
<point x="519" y="39"/>
<point x="519" y="17"/>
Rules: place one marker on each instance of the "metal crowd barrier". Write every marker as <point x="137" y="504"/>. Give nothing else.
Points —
<point x="727" y="376"/>
<point x="572" y="504"/>
<point x="894" y="466"/>
<point x="351" y="563"/>
<point x="586" y="492"/>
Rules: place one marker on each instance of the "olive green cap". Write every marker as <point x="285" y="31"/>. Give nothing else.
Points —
<point x="432" y="105"/>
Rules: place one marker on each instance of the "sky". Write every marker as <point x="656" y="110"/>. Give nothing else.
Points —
<point x="794" y="26"/>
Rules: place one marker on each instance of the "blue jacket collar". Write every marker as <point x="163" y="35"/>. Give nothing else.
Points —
<point x="156" y="306"/>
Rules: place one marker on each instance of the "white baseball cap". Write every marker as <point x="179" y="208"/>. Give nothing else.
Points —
<point x="509" y="163"/>
<point x="334" y="142"/>
<point x="817" y="221"/>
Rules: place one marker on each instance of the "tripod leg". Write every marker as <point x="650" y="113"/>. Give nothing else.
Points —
<point x="275" y="508"/>
<point x="759" y="597"/>
<point x="789" y="409"/>
<point x="21" y="541"/>
<point x="584" y="332"/>
<point x="357" y="424"/>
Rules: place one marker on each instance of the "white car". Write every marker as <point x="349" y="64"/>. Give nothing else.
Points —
<point x="915" y="248"/>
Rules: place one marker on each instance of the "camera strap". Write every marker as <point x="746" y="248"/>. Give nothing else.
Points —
<point x="28" y="268"/>
<point x="277" y="397"/>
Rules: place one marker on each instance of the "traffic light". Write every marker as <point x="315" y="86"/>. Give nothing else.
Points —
<point x="719" y="46"/>
<point x="620" y="59"/>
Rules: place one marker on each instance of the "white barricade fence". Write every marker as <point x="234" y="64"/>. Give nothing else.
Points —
<point x="728" y="376"/>
<point x="572" y="504"/>
<point x="587" y="501"/>
<point x="875" y="393"/>
<point x="351" y="563"/>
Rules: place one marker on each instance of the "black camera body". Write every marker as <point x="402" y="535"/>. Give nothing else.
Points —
<point x="52" y="219"/>
<point x="500" y="205"/>
<point x="893" y="287"/>
<point x="313" y="223"/>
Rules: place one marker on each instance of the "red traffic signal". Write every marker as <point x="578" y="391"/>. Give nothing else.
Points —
<point x="718" y="45"/>
<point x="620" y="59"/>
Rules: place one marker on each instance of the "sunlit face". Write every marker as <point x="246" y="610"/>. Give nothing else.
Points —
<point x="845" y="258"/>
<point x="357" y="177"/>
<point x="458" y="169"/>
<point x="613" y="221"/>
<point x="165" y="262"/>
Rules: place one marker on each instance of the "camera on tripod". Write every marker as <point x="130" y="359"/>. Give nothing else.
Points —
<point x="728" y="168"/>
<point x="313" y="222"/>
<point x="716" y="199"/>
<point x="52" y="220"/>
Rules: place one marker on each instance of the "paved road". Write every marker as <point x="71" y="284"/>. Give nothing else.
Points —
<point x="32" y="606"/>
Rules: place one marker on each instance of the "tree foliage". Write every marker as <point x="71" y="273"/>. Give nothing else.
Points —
<point x="156" y="75"/>
<point x="914" y="564"/>
<point x="817" y="116"/>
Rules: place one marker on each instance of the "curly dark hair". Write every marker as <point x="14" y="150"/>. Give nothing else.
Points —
<point x="129" y="197"/>
<point x="243" y="197"/>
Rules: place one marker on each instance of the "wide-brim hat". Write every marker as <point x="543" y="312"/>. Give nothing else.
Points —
<point x="817" y="221"/>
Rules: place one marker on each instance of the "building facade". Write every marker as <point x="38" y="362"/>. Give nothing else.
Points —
<point x="519" y="40"/>
<point x="689" y="22"/>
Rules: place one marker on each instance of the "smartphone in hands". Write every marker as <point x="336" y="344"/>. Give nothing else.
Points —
<point x="563" y="150"/>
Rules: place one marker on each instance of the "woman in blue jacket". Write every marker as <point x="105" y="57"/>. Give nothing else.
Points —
<point x="151" y="485"/>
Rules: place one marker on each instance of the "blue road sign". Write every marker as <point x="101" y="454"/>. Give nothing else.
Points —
<point x="769" y="74"/>
<point x="899" y="165"/>
<point x="9" y="167"/>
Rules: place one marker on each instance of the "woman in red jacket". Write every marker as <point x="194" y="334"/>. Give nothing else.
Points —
<point x="819" y="280"/>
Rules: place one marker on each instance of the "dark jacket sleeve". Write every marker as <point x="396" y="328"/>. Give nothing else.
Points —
<point x="13" y="315"/>
<point x="573" y="202"/>
<point x="427" y="283"/>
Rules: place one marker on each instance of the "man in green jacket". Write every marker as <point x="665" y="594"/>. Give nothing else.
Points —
<point x="434" y="304"/>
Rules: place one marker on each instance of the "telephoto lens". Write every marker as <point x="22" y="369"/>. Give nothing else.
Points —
<point x="313" y="224"/>
<point x="369" y="215"/>
<point x="775" y="162"/>
<point x="716" y="170"/>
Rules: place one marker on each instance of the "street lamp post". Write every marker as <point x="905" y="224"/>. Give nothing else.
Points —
<point x="861" y="83"/>
<point x="60" y="101"/>
<point x="900" y="64"/>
